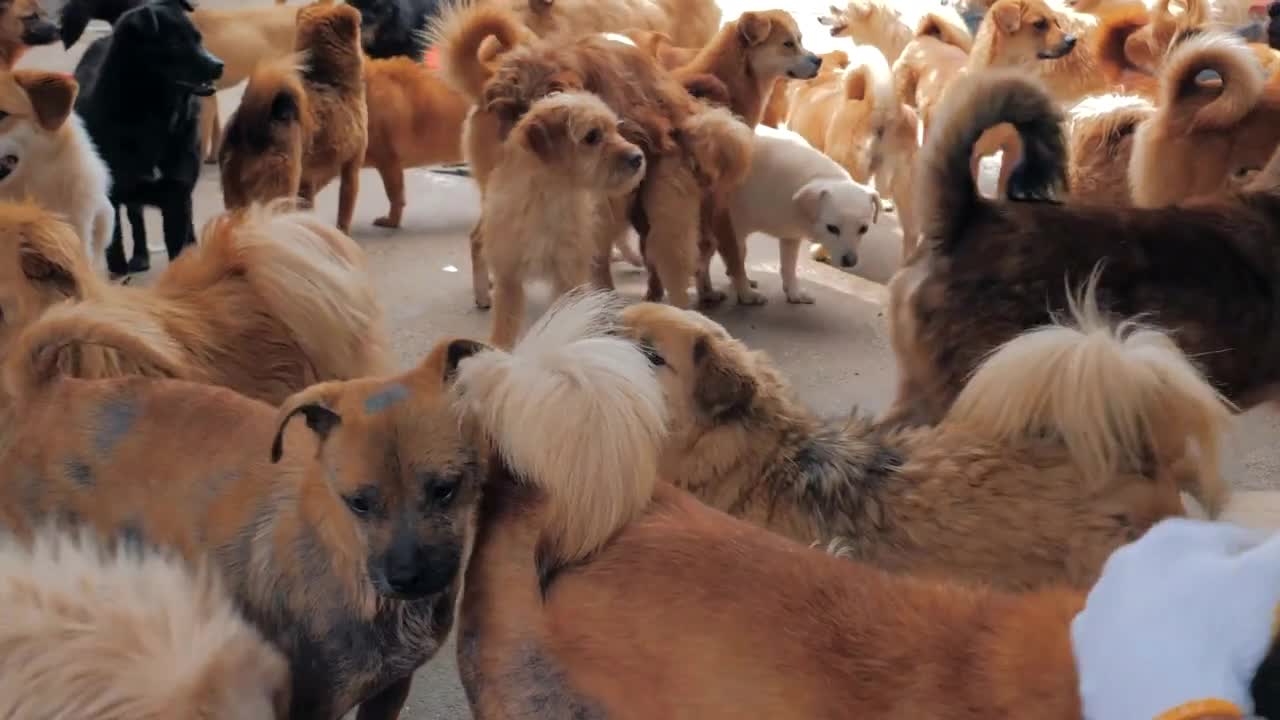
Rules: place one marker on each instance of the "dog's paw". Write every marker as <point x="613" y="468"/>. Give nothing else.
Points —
<point x="752" y="297"/>
<point x="711" y="298"/>
<point x="386" y="222"/>
<point x="799" y="297"/>
<point x="140" y="263"/>
<point x="484" y="300"/>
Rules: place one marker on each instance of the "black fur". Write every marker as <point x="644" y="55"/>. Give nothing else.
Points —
<point x="391" y="28"/>
<point x="138" y="99"/>
<point x="1266" y="684"/>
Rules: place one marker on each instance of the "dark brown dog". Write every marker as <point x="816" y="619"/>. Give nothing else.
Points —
<point x="1206" y="270"/>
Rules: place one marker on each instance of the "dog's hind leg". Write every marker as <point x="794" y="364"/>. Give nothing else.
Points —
<point x="393" y="180"/>
<point x="179" y="225"/>
<point x="387" y="704"/>
<point x="348" y="192"/>
<point x="140" y="260"/>
<point x="508" y="309"/>
<point x="117" y="264"/>
<point x="480" y="285"/>
<point x="674" y="208"/>
<point x="210" y="129"/>
<point x="733" y="253"/>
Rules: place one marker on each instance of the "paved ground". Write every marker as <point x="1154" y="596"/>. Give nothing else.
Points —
<point x="835" y="352"/>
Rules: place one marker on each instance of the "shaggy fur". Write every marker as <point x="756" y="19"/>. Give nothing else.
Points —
<point x="268" y="303"/>
<point x="563" y="166"/>
<point x="46" y="155"/>
<point x="329" y="35"/>
<point x="23" y="24"/>
<point x="928" y="64"/>
<point x="1203" y="140"/>
<point x="689" y="23"/>
<point x="1100" y="137"/>
<point x="260" y="157"/>
<point x="126" y="633"/>
<point x="1206" y="270"/>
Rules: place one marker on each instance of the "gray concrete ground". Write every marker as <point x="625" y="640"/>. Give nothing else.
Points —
<point x="836" y="352"/>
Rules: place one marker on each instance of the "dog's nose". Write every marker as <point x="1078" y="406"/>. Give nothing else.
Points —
<point x="817" y="61"/>
<point x="635" y="161"/>
<point x="423" y="571"/>
<point x="215" y="66"/>
<point x="849" y="259"/>
<point x="1069" y="42"/>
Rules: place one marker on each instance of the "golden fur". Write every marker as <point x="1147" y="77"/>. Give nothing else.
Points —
<point x="16" y="17"/>
<point x="1071" y="439"/>
<point x="1203" y="140"/>
<point x="126" y="633"/>
<point x="937" y="53"/>
<point x="267" y="303"/>
<point x="334" y="79"/>
<point x="690" y="23"/>
<point x="1100" y="136"/>
<point x="1034" y="36"/>
<point x="878" y="23"/>
<point x="563" y="165"/>
<point x="260" y="157"/>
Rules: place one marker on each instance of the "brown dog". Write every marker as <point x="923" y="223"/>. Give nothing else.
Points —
<point x="126" y="633"/>
<point x="1036" y="37"/>
<point x="1051" y="510"/>
<point x="23" y="24"/>
<point x="1206" y="270"/>
<point x="334" y="79"/>
<point x="878" y="23"/>
<point x="1100" y="135"/>
<point x="933" y="58"/>
<point x="260" y="157"/>
<point x="266" y="304"/>
<point x="689" y="23"/>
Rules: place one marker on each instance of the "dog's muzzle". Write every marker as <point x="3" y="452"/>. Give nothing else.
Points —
<point x="8" y="164"/>
<point x="211" y="69"/>
<point x="849" y="259"/>
<point x="1068" y="44"/>
<point x="38" y="31"/>
<point x="808" y="69"/>
<point x="635" y="161"/>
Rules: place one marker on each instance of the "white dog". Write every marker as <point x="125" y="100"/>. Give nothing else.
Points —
<point x="794" y="193"/>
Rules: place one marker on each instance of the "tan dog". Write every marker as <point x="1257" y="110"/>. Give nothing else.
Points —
<point x="1101" y="135"/>
<point x="878" y="23"/>
<point x="266" y="304"/>
<point x="260" y="157"/>
<point x="563" y="166"/>
<point x="46" y="155"/>
<point x="341" y="521"/>
<point x="23" y="24"/>
<point x="689" y="23"/>
<point x="334" y="79"/>
<point x="1056" y="469"/>
<point x="933" y="58"/>
<point x="126" y="633"/>
<point x="1052" y="44"/>
<point x="1203" y="140"/>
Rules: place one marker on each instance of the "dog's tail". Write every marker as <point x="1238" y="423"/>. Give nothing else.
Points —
<point x="719" y="145"/>
<point x="116" y="631"/>
<point x="1117" y="397"/>
<point x="598" y="417"/>
<point x="945" y="24"/>
<point x="274" y="97"/>
<point x="1111" y="38"/>
<point x="459" y="32"/>
<point x="972" y="104"/>
<point x="1227" y="56"/>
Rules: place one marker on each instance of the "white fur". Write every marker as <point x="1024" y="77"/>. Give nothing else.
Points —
<point x="787" y="176"/>
<point x="61" y="170"/>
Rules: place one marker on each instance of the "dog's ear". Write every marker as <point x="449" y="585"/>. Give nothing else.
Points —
<point x="442" y="362"/>
<point x="1007" y="15"/>
<point x="72" y="21"/>
<point x="721" y="389"/>
<point x="754" y="28"/>
<point x="541" y="135"/>
<point x="52" y="95"/>
<point x="315" y="405"/>
<point x="49" y="270"/>
<point x="808" y="200"/>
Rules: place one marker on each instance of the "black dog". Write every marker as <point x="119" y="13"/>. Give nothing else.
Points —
<point x="138" y="99"/>
<point x="390" y="28"/>
<point x="75" y="15"/>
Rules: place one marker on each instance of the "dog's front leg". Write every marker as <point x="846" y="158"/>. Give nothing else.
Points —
<point x="733" y="251"/>
<point x="479" y="269"/>
<point x="117" y="264"/>
<point x="788" y="256"/>
<point x="612" y="229"/>
<point x="179" y="225"/>
<point x="387" y="704"/>
<point x="508" y="309"/>
<point x="209" y="134"/>
<point x="347" y="194"/>
<point x="393" y="181"/>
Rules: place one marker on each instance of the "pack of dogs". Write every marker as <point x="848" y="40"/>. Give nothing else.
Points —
<point x="221" y="497"/>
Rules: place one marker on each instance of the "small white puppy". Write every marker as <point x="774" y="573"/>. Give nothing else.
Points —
<point x="794" y="193"/>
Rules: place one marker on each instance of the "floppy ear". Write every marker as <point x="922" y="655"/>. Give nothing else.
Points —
<point x="40" y="267"/>
<point x="1007" y="14"/>
<point x="807" y="200"/>
<point x="52" y="95"/>
<point x="721" y="389"/>
<point x="456" y="352"/>
<point x="754" y="28"/>
<point x="540" y="137"/>
<point x="150" y="20"/>
<point x="74" y="18"/>
<point x="313" y="404"/>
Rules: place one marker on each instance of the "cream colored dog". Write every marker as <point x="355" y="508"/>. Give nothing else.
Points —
<point x="794" y="192"/>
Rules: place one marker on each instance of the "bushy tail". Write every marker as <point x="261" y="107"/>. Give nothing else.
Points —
<point x="460" y="30"/>
<point x="274" y="96"/>
<point x="92" y="340"/>
<point x="1228" y="56"/>
<point x="973" y="103"/>
<point x="720" y="146"/>
<point x="304" y="272"/>
<point x="1117" y="397"/>
<point x="945" y="24"/>
<point x="576" y="411"/>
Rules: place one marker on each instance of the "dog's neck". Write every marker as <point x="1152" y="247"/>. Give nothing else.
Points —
<point x="726" y="59"/>
<point x="336" y="68"/>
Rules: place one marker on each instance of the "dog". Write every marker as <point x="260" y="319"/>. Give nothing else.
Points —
<point x="396" y="28"/>
<point x="563" y="165"/>
<point x="1036" y="427"/>
<point x="139" y="90"/>
<point x="260" y="156"/>
<point x="126" y="633"/>
<point x="936" y="54"/>
<point x="23" y="24"/>
<point x="341" y="521"/>
<point x="329" y="35"/>
<point x="46" y="155"/>
<point x="689" y="23"/>
<point x="794" y="192"/>
<point x="878" y="23"/>
<point x="1204" y="139"/>
<point x="1036" y="37"/>
<point x="269" y="303"/>
<point x="1100" y="135"/>
<point x="1202" y="269"/>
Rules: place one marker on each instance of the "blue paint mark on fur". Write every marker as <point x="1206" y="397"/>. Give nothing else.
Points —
<point x="114" y="421"/>
<point x="385" y="398"/>
<point x="80" y="474"/>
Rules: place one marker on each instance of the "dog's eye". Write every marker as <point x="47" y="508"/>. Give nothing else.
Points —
<point x="443" y="493"/>
<point x="834" y="230"/>
<point x="3" y="116"/>
<point x="862" y="230"/>
<point x="359" y="504"/>
<point x="651" y="352"/>
<point x="790" y="44"/>
<point x="592" y="137"/>
<point x="1041" y="25"/>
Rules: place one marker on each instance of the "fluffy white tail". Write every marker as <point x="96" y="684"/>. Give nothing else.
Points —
<point x="576" y="410"/>
<point x="1118" y="398"/>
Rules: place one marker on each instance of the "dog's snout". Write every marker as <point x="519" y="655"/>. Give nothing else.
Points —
<point x="849" y="259"/>
<point x="415" y="571"/>
<point x="635" y="161"/>
<point x="1069" y="42"/>
<point x="816" y="61"/>
<point x="214" y="65"/>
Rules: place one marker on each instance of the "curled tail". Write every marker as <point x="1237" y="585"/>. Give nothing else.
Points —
<point x="719" y="145"/>
<point x="1228" y="56"/>
<point x="92" y="340"/>
<point x="945" y="24"/>
<point x="274" y="97"/>
<point x="460" y="31"/>
<point x="972" y="104"/>
<point x="600" y="416"/>
<point x="1118" y="397"/>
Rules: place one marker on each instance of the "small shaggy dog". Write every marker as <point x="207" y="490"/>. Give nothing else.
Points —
<point x="1206" y="270"/>
<point x="126" y="633"/>
<point x="268" y="303"/>
<point x="563" y="165"/>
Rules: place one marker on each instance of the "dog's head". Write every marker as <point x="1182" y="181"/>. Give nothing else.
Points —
<point x="866" y="22"/>
<point x="575" y="134"/>
<point x="1026" y="31"/>
<point x="771" y="41"/>
<point x="386" y="22"/>
<point x="839" y="213"/>
<point x="392" y="463"/>
<point x="327" y="29"/>
<point x="26" y="22"/>
<point x="162" y="37"/>
<point x="75" y="15"/>
<point x="33" y="104"/>
<point x="46" y="265"/>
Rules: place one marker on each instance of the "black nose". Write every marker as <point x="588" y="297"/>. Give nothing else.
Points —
<point x="215" y="66"/>
<point x="848" y="260"/>
<point x="817" y="61"/>
<point x="422" y="571"/>
<point x="1069" y="41"/>
<point x="635" y="161"/>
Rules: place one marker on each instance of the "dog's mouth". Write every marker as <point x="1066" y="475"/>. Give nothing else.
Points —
<point x="807" y="70"/>
<point x="8" y="164"/>
<point x="202" y="89"/>
<point x="1059" y="51"/>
